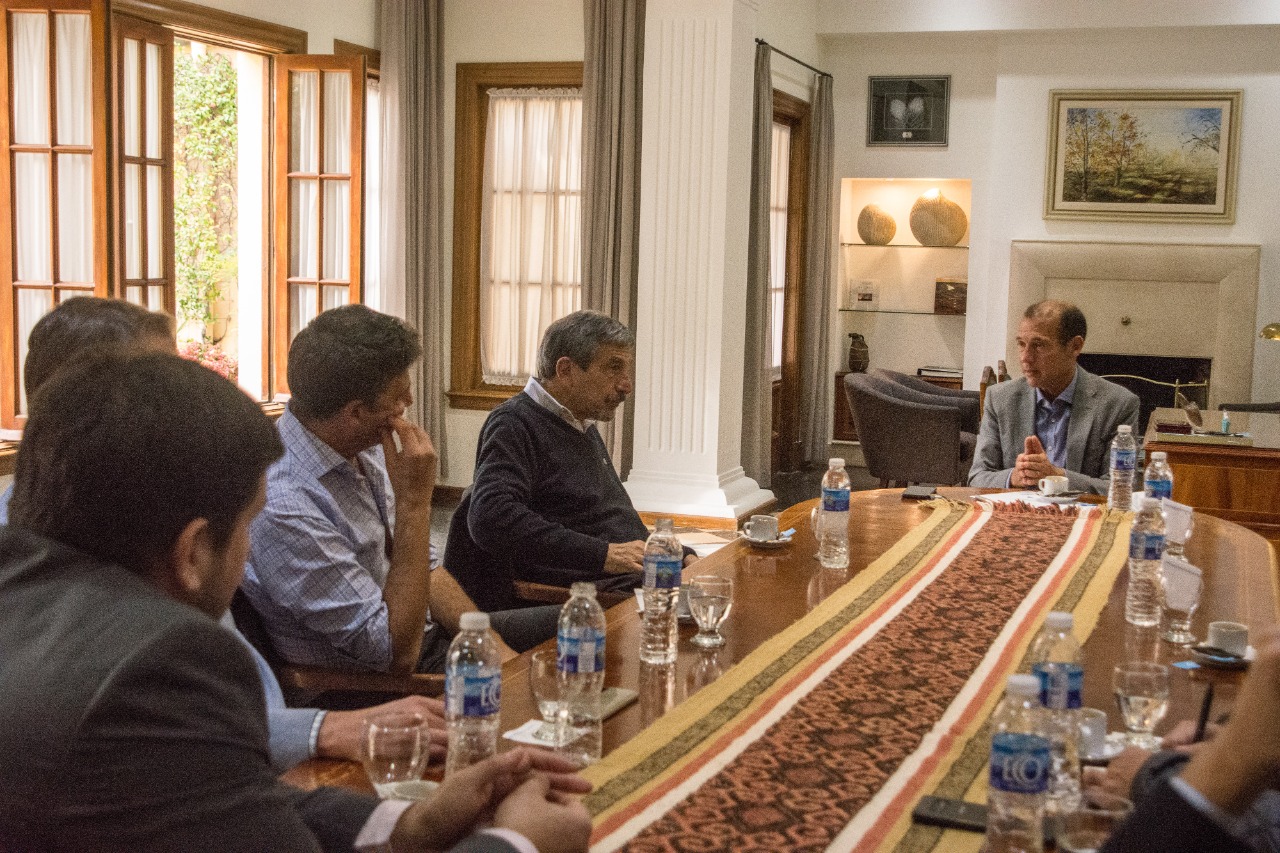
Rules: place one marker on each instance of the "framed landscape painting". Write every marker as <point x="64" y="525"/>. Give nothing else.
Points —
<point x="1149" y="155"/>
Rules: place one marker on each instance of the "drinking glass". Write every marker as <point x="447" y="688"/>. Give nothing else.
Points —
<point x="1142" y="692"/>
<point x="1181" y="593"/>
<point x="394" y="749"/>
<point x="1087" y="828"/>
<point x="710" y="598"/>
<point x="545" y="682"/>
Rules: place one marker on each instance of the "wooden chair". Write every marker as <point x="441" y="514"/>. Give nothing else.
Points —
<point x="320" y="687"/>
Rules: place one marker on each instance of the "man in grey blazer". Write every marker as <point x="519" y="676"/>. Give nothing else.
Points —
<point x="1058" y="418"/>
<point x="132" y="720"/>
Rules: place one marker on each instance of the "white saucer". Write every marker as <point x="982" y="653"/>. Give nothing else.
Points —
<point x="1114" y="745"/>
<point x="767" y="544"/>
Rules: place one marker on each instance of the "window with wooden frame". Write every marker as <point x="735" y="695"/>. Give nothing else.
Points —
<point x="103" y="204"/>
<point x="517" y="202"/>
<point x="53" y="222"/>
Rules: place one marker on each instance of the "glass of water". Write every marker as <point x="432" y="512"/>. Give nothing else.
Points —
<point x="545" y="682"/>
<point x="1087" y="828"/>
<point x="710" y="598"/>
<point x="1142" y="691"/>
<point x="394" y="750"/>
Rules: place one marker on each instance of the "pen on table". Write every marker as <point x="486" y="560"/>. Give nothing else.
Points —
<point x="1204" y="714"/>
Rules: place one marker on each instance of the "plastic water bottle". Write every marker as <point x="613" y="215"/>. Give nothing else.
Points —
<point x="1019" y="780"/>
<point x="1056" y="660"/>
<point x="663" y="558"/>
<point x="1146" y="546"/>
<point x="580" y="664"/>
<point x="833" y="541"/>
<point x="1124" y="455"/>
<point x="1158" y="480"/>
<point x="473" y="690"/>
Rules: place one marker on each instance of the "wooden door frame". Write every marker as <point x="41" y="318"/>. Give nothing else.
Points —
<point x="787" y="453"/>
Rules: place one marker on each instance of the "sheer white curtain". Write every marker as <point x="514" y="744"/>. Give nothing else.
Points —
<point x="779" y="194"/>
<point x="531" y="223"/>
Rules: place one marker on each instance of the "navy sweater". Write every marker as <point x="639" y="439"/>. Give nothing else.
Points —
<point x="545" y="505"/>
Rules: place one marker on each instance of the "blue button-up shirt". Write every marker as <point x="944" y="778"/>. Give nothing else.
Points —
<point x="318" y="554"/>
<point x="1052" y="419"/>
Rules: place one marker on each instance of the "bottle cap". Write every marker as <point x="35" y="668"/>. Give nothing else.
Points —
<point x="584" y="588"/>
<point x="474" y="621"/>
<point x="1059" y="621"/>
<point x="835" y="462"/>
<point x="1159" y="456"/>
<point x="1023" y="685"/>
<point x="1124" y="429"/>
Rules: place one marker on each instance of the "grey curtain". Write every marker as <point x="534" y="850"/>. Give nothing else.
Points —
<point x="757" y="380"/>
<point x="815" y="378"/>
<point x="611" y="112"/>
<point x="412" y="212"/>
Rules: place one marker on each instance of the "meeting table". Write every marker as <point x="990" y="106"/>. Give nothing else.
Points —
<point x="842" y="696"/>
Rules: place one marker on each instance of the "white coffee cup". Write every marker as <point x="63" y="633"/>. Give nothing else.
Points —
<point x="1229" y="636"/>
<point x="1093" y="731"/>
<point x="761" y="528"/>
<point x="1053" y="485"/>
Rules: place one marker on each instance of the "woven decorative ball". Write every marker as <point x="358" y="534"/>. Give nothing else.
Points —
<point x="875" y="227"/>
<point x="937" y="220"/>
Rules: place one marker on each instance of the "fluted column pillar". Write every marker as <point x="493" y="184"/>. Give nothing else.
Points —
<point x="695" y="168"/>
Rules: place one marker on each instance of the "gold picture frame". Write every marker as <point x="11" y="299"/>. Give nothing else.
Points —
<point x="1145" y="155"/>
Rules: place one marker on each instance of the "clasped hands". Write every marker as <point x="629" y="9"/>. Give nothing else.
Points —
<point x="1032" y="464"/>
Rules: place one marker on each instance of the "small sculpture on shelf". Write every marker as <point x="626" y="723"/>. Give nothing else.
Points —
<point x="875" y="227"/>
<point x="859" y="353"/>
<point x="937" y="220"/>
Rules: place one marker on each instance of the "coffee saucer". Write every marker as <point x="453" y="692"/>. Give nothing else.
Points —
<point x="767" y="544"/>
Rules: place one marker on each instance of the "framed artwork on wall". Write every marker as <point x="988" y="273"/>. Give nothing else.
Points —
<point x="908" y="110"/>
<point x="1163" y="155"/>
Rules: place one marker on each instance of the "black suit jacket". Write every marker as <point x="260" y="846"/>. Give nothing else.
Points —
<point x="1163" y="821"/>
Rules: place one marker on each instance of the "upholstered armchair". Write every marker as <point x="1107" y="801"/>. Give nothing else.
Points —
<point x="909" y="436"/>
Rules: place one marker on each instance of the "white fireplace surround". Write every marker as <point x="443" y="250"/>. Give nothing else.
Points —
<point x="1188" y="300"/>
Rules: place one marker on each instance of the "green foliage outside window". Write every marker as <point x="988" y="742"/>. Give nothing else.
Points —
<point x="204" y="142"/>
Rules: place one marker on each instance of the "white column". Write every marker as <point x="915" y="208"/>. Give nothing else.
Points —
<point x="695" y="168"/>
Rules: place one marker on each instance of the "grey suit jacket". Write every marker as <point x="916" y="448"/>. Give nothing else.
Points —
<point x="1009" y="416"/>
<point x="133" y="722"/>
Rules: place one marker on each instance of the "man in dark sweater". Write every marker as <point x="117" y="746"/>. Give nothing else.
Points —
<point x="546" y="504"/>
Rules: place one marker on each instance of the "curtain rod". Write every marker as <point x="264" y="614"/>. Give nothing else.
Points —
<point x="817" y="71"/>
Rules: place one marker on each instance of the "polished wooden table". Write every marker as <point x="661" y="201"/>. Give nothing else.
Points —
<point x="1240" y="484"/>
<point x="775" y="588"/>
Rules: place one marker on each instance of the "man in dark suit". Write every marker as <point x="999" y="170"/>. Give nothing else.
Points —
<point x="1204" y="807"/>
<point x="132" y="720"/>
<point x="1058" y="419"/>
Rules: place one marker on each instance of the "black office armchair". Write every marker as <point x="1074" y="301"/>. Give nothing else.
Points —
<point x="907" y="439"/>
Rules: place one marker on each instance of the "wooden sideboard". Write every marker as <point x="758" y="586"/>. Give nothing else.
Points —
<point x="1240" y="484"/>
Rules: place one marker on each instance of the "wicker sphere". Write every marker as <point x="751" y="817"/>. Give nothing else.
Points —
<point x="937" y="220"/>
<point x="875" y="227"/>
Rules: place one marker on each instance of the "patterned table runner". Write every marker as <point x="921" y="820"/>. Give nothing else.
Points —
<point x="825" y="736"/>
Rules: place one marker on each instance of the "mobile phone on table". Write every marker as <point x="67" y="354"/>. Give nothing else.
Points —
<point x="951" y="814"/>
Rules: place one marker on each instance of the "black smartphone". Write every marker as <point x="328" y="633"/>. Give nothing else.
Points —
<point x="918" y="493"/>
<point x="951" y="814"/>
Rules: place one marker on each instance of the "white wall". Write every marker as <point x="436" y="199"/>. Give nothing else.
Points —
<point x="493" y="31"/>
<point x="998" y="139"/>
<point x="324" y="20"/>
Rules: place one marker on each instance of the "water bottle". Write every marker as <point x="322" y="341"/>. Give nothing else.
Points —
<point x="1056" y="660"/>
<point x="580" y="664"/>
<point x="1158" y="480"/>
<point x="472" y="689"/>
<point x="1146" y="546"/>
<point x="1019" y="776"/>
<point x="833" y="535"/>
<point x="663" y="558"/>
<point x="1124" y="454"/>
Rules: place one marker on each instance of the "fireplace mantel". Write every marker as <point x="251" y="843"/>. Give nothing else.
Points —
<point x="1194" y="300"/>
